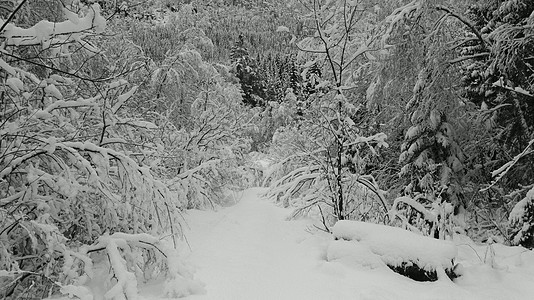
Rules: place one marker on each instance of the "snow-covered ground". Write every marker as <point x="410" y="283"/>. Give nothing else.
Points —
<point x="250" y="251"/>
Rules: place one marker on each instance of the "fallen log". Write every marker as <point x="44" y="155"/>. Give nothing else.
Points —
<point x="415" y="256"/>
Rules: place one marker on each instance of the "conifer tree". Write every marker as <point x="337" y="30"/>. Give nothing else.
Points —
<point x="246" y="70"/>
<point x="498" y="77"/>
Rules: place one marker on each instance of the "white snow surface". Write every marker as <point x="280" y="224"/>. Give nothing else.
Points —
<point x="250" y="251"/>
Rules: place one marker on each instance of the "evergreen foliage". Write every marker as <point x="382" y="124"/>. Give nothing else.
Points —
<point x="498" y="78"/>
<point x="246" y="70"/>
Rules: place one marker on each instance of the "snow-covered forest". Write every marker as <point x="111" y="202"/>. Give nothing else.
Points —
<point x="266" y="149"/>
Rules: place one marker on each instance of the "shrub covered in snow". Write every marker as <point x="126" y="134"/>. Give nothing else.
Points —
<point x="76" y="169"/>
<point x="327" y="149"/>
<point x="522" y="220"/>
<point x="521" y="217"/>
<point x="431" y="218"/>
<point x="305" y="176"/>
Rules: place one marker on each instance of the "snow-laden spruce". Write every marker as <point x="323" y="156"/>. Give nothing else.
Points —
<point x="521" y="217"/>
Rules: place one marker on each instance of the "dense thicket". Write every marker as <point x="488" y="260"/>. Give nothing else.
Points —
<point x="103" y="144"/>
<point x="457" y="119"/>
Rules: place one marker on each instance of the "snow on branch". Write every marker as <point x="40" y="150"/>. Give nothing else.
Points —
<point x="521" y="219"/>
<point x="503" y="170"/>
<point x="297" y="182"/>
<point x="123" y="252"/>
<point x="517" y="89"/>
<point x="276" y="168"/>
<point x="407" y="11"/>
<point x="76" y="170"/>
<point x="464" y="21"/>
<point x="427" y="215"/>
<point x="46" y="33"/>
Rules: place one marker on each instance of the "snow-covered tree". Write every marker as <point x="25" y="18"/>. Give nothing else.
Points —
<point x="76" y="168"/>
<point x="425" y="109"/>
<point x="328" y="148"/>
<point x="496" y="62"/>
<point x="521" y="217"/>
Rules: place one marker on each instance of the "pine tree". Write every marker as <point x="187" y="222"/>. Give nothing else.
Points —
<point x="498" y="74"/>
<point x="414" y="84"/>
<point x="238" y="51"/>
<point x="246" y="70"/>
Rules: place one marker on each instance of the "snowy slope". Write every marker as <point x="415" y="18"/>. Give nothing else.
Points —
<point x="249" y="251"/>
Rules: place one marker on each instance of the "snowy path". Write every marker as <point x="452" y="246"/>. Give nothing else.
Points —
<point x="249" y="251"/>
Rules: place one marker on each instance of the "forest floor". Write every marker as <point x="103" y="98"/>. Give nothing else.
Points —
<point x="250" y="251"/>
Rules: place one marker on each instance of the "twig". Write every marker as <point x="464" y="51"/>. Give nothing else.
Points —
<point x="172" y="227"/>
<point x="463" y="20"/>
<point x="323" y="218"/>
<point x="12" y="15"/>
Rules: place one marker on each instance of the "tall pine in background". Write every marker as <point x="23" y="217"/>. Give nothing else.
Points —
<point x="245" y="68"/>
